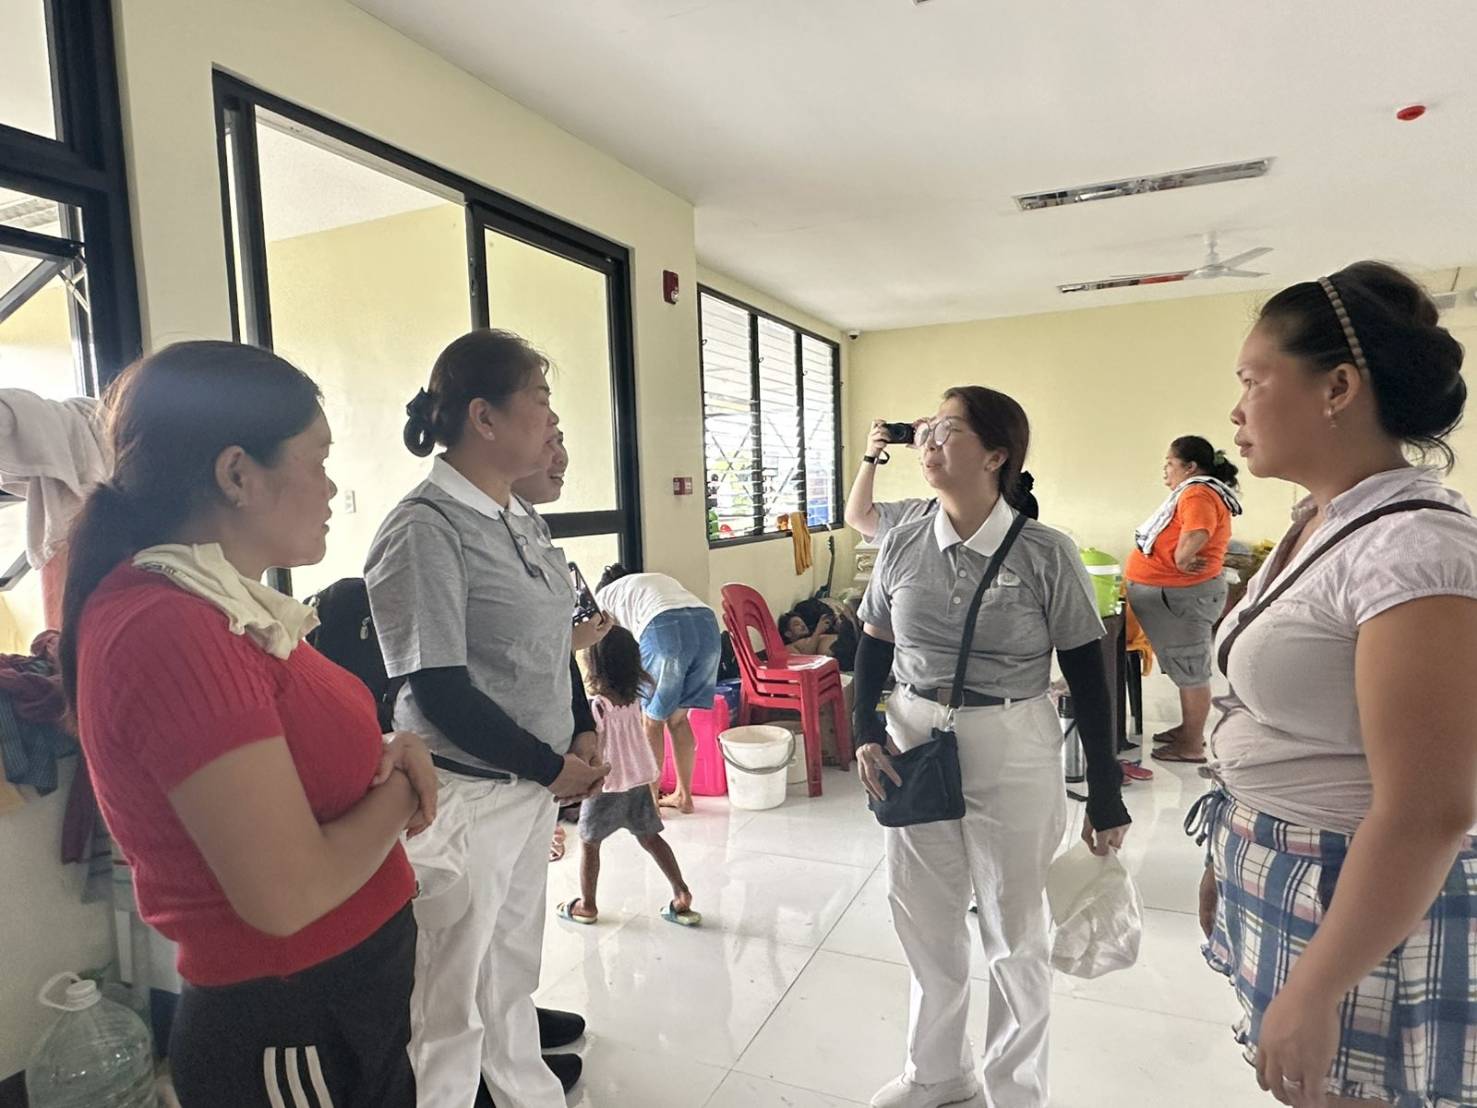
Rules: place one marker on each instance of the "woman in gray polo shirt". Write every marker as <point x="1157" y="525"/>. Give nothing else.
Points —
<point x="473" y="604"/>
<point x="1010" y="750"/>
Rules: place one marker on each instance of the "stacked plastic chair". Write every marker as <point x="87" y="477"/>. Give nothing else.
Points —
<point x="782" y="681"/>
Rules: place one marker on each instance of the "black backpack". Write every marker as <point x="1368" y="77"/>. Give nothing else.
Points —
<point x="345" y="634"/>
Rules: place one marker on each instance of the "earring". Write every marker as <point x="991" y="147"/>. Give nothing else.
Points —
<point x="1333" y="419"/>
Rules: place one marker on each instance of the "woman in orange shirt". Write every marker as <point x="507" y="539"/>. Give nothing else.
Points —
<point x="1175" y="586"/>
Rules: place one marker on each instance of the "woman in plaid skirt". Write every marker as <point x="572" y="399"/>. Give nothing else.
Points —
<point x="1340" y="895"/>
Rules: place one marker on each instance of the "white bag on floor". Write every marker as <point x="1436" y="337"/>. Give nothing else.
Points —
<point x="1098" y="913"/>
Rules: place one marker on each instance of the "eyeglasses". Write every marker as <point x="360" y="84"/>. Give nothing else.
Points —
<point x="938" y="431"/>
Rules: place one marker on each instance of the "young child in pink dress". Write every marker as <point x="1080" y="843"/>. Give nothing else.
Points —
<point x="616" y="681"/>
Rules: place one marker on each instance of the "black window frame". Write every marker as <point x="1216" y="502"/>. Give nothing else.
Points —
<point x="769" y="531"/>
<point x="236" y="101"/>
<point x="84" y="170"/>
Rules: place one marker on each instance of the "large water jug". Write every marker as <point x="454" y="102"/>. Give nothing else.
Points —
<point x="97" y="1055"/>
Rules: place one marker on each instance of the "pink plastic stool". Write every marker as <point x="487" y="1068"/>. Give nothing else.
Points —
<point x="708" y="778"/>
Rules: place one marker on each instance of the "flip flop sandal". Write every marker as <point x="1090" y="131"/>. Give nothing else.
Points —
<point x="688" y="918"/>
<point x="566" y="911"/>
<point x="1165" y="737"/>
<point x="1135" y="772"/>
<point x="1164" y="755"/>
<point x="557" y="847"/>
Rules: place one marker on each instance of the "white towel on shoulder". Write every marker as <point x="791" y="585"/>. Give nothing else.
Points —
<point x="275" y="622"/>
<point x="1150" y="530"/>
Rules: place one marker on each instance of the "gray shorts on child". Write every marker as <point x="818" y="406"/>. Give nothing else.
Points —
<point x="633" y="811"/>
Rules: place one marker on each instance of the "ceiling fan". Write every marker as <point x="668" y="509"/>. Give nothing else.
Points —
<point x="1213" y="267"/>
<point x="1231" y="267"/>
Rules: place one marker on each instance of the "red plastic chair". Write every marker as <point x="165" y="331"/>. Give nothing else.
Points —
<point x="804" y="683"/>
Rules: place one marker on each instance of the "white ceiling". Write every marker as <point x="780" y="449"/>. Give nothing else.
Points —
<point x="858" y="158"/>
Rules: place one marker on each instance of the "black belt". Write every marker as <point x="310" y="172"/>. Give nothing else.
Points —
<point x="470" y="771"/>
<point x="971" y="699"/>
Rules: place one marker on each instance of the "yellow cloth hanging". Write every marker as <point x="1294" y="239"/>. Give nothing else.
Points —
<point x="1135" y="639"/>
<point x="800" y="536"/>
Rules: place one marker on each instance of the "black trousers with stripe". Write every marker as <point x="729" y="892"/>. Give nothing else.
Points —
<point x="333" y="1036"/>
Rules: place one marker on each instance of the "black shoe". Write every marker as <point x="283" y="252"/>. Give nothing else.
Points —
<point x="556" y="1028"/>
<point x="567" y="1068"/>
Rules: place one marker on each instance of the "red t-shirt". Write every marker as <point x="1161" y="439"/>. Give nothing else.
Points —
<point x="1199" y="509"/>
<point x="164" y="688"/>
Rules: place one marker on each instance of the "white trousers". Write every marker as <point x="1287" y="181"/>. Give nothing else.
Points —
<point x="483" y="868"/>
<point x="1015" y="817"/>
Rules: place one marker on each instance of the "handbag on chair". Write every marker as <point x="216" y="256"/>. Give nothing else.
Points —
<point x="933" y="787"/>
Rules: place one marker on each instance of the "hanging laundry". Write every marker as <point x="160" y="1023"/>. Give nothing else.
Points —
<point x="33" y="733"/>
<point x="51" y="453"/>
<point x="800" y="535"/>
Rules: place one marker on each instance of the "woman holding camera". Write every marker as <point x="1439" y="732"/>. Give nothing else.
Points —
<point x="1009" y="748"/>
<point x="873" y="519"/>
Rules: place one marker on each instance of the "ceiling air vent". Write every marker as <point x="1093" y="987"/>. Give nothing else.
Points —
<point x="1137" y="186"/>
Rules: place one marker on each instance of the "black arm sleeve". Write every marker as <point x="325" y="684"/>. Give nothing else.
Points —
<point x="471" y="719"/>
<point x="584" y="719"/>
<point x="873" y="664"/>
<point x="1087" y="677"/>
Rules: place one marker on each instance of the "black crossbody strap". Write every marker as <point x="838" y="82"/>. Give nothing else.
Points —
<point x="1223" y="656"/>
<point x="956" y="695"/>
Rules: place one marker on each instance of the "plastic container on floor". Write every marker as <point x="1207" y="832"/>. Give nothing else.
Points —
<point x="798" y="770"/>
<point x="97" y="1055"/>
<point x="758" y="760"/>
<point x="707" y="771"/>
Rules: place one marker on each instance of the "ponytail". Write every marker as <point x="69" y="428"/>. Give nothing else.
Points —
<point x="1195" y="451"/>
<point x="171" y="416"/>
<point x="485" y="364"/>
<point x="1223" y="470"/>
<point x="109" y="530"/>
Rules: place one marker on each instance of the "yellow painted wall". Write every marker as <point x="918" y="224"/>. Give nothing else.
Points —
<point x="334" y="58"/>
<point x="365" y="308"/>
<point x="1106" y="390"/>
<point x="35" y="354"/>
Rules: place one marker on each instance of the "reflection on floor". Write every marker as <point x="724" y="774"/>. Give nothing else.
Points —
<point x="794" y="993"/>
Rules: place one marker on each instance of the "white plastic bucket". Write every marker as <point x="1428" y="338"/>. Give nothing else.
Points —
<point x="798" y="773"/>
<point x="756" y="760"/>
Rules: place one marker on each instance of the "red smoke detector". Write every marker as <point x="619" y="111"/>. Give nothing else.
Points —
<point x="1415" y="111"/>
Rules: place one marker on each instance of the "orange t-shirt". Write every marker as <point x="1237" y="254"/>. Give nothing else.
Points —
<point x="1199" y="509"/>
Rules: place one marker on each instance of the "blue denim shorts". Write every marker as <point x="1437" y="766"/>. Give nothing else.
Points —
<point x="680" y="649"/>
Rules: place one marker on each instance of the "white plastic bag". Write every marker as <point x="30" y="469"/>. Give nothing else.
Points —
<point x="1098" y="913"/>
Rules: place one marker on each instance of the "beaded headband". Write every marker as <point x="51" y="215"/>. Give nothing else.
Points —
<point x="1346" y="323"/>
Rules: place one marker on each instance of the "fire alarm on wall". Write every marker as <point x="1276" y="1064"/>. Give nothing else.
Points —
<point x="669" y="286"/>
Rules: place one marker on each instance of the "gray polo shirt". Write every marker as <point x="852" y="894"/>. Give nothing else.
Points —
<point x="894" y="513"/>
<point x="457" y="594"/>
<point x="926" y="576"/>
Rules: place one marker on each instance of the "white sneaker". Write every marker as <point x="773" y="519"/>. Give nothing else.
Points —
<point x="902" y="1093"/>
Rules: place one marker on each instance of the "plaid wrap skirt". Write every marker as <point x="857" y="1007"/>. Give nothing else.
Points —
<point x="1408" y="1031"/>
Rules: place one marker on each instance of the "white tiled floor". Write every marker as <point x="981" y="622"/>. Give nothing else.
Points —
<point x="794" y="993"/>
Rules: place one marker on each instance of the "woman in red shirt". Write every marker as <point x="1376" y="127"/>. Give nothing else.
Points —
<point x="242" y="773"/>
<point x="1174" y="581"/>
